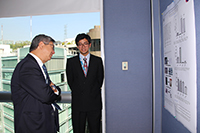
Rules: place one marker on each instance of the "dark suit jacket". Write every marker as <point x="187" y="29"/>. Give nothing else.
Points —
<point x="86" y="91"/>
<point x="32" y="99"/>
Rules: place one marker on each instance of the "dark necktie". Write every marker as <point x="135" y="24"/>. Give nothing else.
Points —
<point x="85" y="66"/>
<point x="47" y="82"/>
<point x="46" y="73"/>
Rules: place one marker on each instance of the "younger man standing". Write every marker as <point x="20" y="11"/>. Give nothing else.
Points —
<point x="85" y="76"/>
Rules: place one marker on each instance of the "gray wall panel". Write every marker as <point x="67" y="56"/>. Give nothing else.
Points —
<point x="157" y="67"/>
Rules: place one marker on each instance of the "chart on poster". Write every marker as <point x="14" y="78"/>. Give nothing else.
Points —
<point x="179" y="47"/>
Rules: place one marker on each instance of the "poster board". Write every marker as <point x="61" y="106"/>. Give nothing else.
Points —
<point x="179" y="47"/>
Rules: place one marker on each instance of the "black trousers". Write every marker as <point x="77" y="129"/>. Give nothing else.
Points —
<point x="79" y="121"/>
<point x="56" y="120"/>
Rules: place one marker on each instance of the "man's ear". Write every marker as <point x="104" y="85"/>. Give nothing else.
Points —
<point x="90" y="45"/>
<point x="40" y="45"/>
<point x="77" y="47"/>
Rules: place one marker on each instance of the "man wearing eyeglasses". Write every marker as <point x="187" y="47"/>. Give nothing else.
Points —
<point x="85" y="76"/>
<point x="33" y="93"/>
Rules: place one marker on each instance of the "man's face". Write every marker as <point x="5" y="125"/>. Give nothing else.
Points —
<point x="84" y="46"/>
<point x="48" y="51"/>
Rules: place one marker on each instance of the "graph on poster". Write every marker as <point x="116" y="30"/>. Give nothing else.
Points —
<point x="179" y="47"/>
<point x="180" y="61"/>
<point x="181" y="87"/>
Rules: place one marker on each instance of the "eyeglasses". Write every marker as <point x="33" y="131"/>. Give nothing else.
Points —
<point x="51" y="46"/>
<point x="83" y="44"/>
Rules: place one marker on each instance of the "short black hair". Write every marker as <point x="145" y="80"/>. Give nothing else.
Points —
<point x="37" y="39"/>
<point x="82" y="36"/>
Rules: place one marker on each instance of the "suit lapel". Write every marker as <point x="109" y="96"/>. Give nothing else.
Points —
<point x="90" y="64"/>
<point x="79" y="66"/>
<point x="36" y="63"/>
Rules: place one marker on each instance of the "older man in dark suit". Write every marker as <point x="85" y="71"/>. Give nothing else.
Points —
<point x="85" y="76"/>
<point x="33" y="93"/>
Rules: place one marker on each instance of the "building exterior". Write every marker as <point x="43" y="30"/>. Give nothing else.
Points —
<point x="5" y="50"/>
<point x="56" y="69"/>
<point x="72" y="49"/>
<point x="95" y="40"/>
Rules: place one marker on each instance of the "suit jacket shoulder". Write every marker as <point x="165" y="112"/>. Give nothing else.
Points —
<point x="73" y="58"/>
<point x="95" y="57"/>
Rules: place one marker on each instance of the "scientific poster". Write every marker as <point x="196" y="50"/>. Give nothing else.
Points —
<point x="179" y="47"/>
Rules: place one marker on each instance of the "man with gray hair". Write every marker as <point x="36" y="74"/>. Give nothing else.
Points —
<point x="33" y="93"/>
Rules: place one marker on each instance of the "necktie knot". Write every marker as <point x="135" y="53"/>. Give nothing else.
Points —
<point x="85" y="59"/>
<point x="44" y="67"/>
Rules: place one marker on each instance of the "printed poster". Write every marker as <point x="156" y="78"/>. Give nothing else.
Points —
<point x="179" y="47"/>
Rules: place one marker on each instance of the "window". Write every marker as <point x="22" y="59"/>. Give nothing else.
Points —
<point x="17" y="32"/>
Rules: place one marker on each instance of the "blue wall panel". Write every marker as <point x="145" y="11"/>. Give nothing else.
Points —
<point x="127" y="36"/>
<point x="197" y="21"/>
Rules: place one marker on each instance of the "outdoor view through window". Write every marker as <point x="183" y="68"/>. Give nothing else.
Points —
<point x="16" y="35"/>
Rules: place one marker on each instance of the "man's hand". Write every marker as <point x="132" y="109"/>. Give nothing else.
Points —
<point x="53" y="87"/>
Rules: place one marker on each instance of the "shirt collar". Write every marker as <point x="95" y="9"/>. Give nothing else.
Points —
<point x="87" y="56"/>
<point x="37" y="59"/>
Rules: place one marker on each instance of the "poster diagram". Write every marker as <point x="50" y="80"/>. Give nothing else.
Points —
<point x="179" y="47"/>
